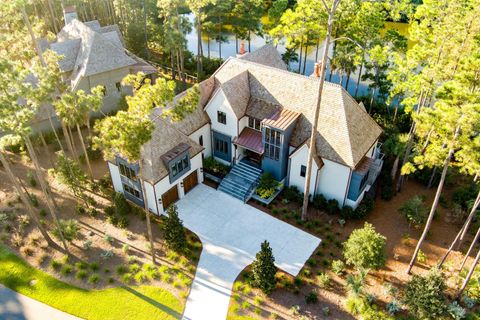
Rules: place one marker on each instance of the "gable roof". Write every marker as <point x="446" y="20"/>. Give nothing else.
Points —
<point x="237" y="92"/>
<point x="266" y="55"/>
<point x="95" y="49"/>
<point x="345" y="130"/>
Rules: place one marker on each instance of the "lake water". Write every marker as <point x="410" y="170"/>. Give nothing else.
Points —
<point x="228" y="49"/>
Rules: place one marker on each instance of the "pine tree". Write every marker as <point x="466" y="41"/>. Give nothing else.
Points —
<point x="174" y="233"/>
<point x="263" y="269"/>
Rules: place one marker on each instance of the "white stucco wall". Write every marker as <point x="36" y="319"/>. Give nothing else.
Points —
<point x="297" y="159"/>
<point x="115" y="174"/>
<point x="164" y="185"/>
<point x="333" y="181"/>
<point x="220" y="103"/>
<point x="149" y="195"/>
<point x="205" y="132"/>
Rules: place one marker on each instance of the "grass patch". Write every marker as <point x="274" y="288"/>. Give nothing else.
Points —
<point x="138" y="302"/>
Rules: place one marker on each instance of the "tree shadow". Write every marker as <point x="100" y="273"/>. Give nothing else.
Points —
<point x="154" y="303"/>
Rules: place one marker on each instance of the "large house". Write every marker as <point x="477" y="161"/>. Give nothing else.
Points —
<point x="92" y="56"/>
<point x="256" y="116"/>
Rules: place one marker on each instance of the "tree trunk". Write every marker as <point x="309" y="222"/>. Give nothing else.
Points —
<point x="56" y="135"/>
<point x="461" y="233"/>
<point x="313" y="134"/>
<point x="358" y="79"/>
<point x="300" y="57"/>
<point x="72" y="141"/>
<point x="45" y="148"/>
<point x="249" y="40"/>
<point x="45" y="189"/>
<point x="305" y="59"/>
<point x="474" y="242"/>
<point x="316" y="50"/>
<point x="435" y="202"/>
<point x="199" y="47"/>
<point x="35" y="43"/>
<point x="147" y="213"/>
<point x="432" y="178"/>
<point x="469" y="275"/>
<point x="348" y="80"/>
<point x="236" y="44"/>
<point x="208" y="47"/>
<point x="147" y="52"/>
<point x="87" y="160"/>
<point x="52" y="14"/>
<point x="23" y="198"/>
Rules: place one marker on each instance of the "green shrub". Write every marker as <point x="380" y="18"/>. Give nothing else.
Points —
<point x="109" y="211"/>
<point x="414" y="211"/>
<point x="121" y="269"/>
<point x="31" y="179"/>
<point x="174" y="232"/>
<point x="94" y="266"/>
<point x="364" y="208"/>
<point x="365" y="248"/>
<point x="267" y="186"/>
<point x="94" y="279"/>
<point x="66" y="270"/>
<point x="263" y="269"/>
<point x="319" y="202"/>
<point x="465" y="194"/>
<point x="122" y="206"/>
<point x="212" y="166"/>
<point x="338" y="267"/>
<point x="311" y="297"/>
<point x="292" y="194"/>
<point x="425" y="295"/>
<point x="332" y="206"/>
<point x="347" y="212"/>
<point x="34" y="200"/>
<point x="81" y="274"/>
<point x="69" y="228"/>
<point x="323" y="280"/>
<point x="79" y="209"/>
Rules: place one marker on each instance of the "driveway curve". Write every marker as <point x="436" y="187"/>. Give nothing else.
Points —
<point x="231" y="233"/>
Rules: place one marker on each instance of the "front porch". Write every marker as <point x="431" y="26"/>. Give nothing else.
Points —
<point x="250" y="146"/>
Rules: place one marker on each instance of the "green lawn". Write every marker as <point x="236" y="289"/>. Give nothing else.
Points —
<point x="137" y="302"/>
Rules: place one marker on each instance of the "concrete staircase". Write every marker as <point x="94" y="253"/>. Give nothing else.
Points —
<point x="240" y="181"/>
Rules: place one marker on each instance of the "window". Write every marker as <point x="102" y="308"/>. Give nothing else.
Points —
<point x="221" y="117"/>
<point x="119" y="86"/>
<point x="273" y="140"/>
<point x="178" y="167"/>
<point x="221" y="146"/>
<point x="127" y="172"/>
<point x="303" y="171"/>
<point x="254" y="123"/>
<point x="134" y="192"/>
<point x="200" y="140"/>
<point x="363" y="182"/>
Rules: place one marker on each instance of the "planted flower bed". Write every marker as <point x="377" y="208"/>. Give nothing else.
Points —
<point x="214" y="170"/>
<point x="268" y="189"/>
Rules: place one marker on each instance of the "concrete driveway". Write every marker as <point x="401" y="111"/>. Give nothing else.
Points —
<point x="15" y="306"/>
<point x="231" y="233"/>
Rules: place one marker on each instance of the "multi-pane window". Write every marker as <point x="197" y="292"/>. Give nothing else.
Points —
<point x="273" y="140"/>
<point x="221" y="146"/>
<point x="364" y="181"/>
<point x="134" y="192"/>
<point x="200" y="140"/>
<point x="254" y="123"/>
<point x="303" y="171"/>
<point x="221" y="117"/>
<point x="127" y="172"/>
<point x="180" y="166"/>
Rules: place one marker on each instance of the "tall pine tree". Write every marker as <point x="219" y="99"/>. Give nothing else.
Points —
<point x="263" y="269"/>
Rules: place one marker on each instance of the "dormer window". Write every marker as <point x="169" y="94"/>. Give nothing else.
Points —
<point x="179" y="166"/>
<point x="127" y="172"/>
<point x="254" y="123"/>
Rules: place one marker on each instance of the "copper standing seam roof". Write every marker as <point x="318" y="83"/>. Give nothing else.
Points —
<point x="281" y="119"/>
<point x="250" y="139"/>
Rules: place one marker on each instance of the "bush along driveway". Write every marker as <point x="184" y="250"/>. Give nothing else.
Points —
<point x="136" y="302"/>
<point x="231" y="233"/>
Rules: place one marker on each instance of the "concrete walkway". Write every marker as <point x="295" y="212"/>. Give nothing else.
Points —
<point x="231" y="233"/>
<point x="15" y="306"/>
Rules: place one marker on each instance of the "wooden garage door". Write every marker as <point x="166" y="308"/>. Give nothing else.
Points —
<point x="169" y="197"/>
<point x="190" y="181"/>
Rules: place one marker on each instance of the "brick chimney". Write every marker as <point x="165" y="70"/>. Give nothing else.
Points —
<point x="316" y="70"/>
<point x="69" y="14"/>
<point x="242" y="48"/>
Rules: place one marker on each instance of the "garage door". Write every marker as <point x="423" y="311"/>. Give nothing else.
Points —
<point x="190" y="181"/>
<point x="169" y="197"/>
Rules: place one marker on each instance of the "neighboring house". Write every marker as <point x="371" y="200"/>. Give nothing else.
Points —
<point x="256" y="116"/>
<point x="93" y="56"/>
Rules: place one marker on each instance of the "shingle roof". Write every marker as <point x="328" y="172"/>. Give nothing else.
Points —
<point x="237" y="92"/>
<point x="266" y="55"/>
<point x="100" y="49"/>
<point x="260" y="109"/>
<point x="165" y="137"/>
<point x="69" y="50"/>
<point x="345" y="131"/>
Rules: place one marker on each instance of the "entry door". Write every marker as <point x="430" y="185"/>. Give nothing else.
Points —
<point x="190" y="181"/>
<point x="169" y="197"/>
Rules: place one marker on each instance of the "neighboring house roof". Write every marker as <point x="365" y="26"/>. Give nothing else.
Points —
<point x="345" y="131"/>
<point x="95" y="49"/>
<point x="165" y="137"/>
